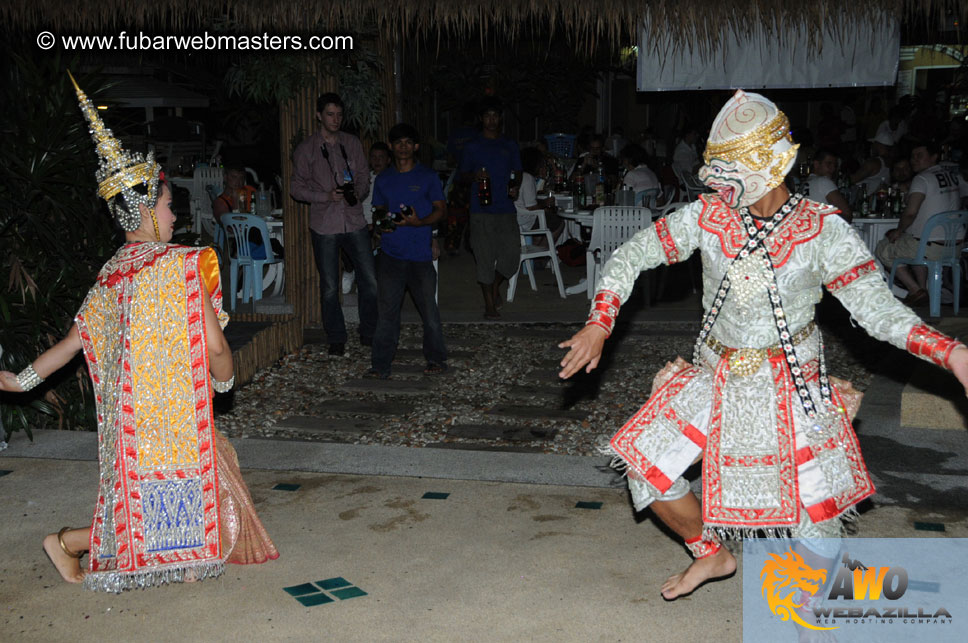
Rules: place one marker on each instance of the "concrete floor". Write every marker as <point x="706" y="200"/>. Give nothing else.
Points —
<point x="493" y="561"/>
<point x="506" y="556"/>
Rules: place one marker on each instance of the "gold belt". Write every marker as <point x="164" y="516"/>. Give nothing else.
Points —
<point x="746" y="361"/>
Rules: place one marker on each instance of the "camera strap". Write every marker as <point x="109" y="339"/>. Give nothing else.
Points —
<point x="346" y="160"/>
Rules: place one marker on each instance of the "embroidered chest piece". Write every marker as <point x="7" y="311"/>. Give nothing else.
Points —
<point x="750" y="276"/>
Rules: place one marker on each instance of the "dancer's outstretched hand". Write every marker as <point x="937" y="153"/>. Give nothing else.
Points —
<point x="586" y="348"/>
<point x="9" y="383"/>
<point x="958" y="362"/>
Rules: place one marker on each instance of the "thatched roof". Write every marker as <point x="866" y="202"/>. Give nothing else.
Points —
<point x="693" y="23"/>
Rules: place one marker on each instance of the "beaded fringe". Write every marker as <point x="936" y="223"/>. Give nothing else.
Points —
<point x="848" y="526"/>
<point x="117" y="582"/>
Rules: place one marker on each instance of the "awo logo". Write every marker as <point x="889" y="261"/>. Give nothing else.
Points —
<point x="792" y="588"/>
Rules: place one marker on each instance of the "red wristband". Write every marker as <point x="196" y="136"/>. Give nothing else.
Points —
<point x="929" y="344"/>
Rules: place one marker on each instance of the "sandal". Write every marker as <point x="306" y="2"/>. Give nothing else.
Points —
<point x="435" y="369"/>
<point x="374" y="374"/>
<point x="915" y="298"/>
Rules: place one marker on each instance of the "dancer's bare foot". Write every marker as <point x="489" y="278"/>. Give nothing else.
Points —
<point x="718" y="565"/>
<point x="68" y="566"/>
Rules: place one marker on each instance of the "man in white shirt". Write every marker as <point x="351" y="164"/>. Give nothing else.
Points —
<point x="638" y="176"/>
<point x="820" y="186"/>
<point x="685" y="158"/>
<point x="934" y="189"/>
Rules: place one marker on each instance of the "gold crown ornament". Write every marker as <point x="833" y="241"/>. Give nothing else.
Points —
<point x="121" y="170"/>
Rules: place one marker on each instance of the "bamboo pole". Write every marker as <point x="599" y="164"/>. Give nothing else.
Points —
<point x="282" y="337"/>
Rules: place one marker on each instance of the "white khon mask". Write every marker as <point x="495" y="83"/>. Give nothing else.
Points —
<point x="749" y="151"/>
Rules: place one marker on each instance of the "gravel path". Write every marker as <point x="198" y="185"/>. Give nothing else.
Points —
<point x="501" y="364"/>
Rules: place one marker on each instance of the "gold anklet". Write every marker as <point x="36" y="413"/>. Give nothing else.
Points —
<point x="60" y="540"/>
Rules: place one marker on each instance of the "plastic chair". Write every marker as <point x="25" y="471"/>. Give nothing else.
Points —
<point x="530" y="252"/>
<point x="647" y="198"/>
<point x="954" y="224"/>
<point x="690" y="183"/>
<point x="611" y="227"/>
<point x="201" y="201"/>
<point x="561" y="145"/>
<point x="250" y="257"/>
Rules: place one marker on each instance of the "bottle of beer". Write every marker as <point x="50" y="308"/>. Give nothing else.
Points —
<point x="484" y="189"/>
<point x="511" y="179"/>
<point x="580" y="191"/>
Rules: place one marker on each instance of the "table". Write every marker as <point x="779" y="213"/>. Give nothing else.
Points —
<point x="582" y="219"/>
<point x="872" y="230"/>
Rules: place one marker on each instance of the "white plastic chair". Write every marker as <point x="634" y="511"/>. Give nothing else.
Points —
<point x="530" y="252"/>
<point x="612" y="226"/>
<point x="201" y="199"/>
<point x="252" y="177"/>
<point x="954" y="224"/>
<point x="690" y="183"/>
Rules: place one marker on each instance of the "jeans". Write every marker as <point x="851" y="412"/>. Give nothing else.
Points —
<point x="326" y="252"/>
<point x="394" y="277"/>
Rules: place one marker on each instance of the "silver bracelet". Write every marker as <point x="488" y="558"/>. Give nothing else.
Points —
<point x="223" y="387"/>
<point x="28" y="378"/>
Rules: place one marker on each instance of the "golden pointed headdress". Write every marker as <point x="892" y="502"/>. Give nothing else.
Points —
<point x="120" y="170"/>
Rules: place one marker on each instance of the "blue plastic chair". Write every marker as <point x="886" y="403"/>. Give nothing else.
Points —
<point x="647" y="198"/>
<point x="249" y="256"/>
<point x="954" y="224"/>
<point x="561" y="145"/>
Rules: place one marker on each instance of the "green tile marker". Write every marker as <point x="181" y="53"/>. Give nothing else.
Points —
<point x="333" y="583"/>
<point x="314" y="599"/>
<point x="929" y="526"/>
<point x="349" y="592"/>
<point x="286" y="486"/>
<point x="300" y="590"/>
<point x="435" y="495"/>
<point x="310" y="594"/>
<point x="586" y="504"/>
<point x="4" y="472"/>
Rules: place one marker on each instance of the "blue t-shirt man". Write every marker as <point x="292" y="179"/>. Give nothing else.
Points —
<point x="500" y="156"/>
<point x="418" y="188"/>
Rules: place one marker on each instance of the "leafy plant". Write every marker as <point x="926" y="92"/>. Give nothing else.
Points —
<point x="276" y="79"/>
<point x="54" y="234"/>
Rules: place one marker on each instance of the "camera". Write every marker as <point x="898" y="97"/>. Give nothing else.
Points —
<point x="349" y="193"/>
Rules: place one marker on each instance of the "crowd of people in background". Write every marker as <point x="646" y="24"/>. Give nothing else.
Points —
<point x="900" y="161"/>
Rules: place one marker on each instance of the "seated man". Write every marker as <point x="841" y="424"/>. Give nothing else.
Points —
<point x="527" y="204"/>
<point x="820" y="186"/>
<point x="638" y="175"/>
<point x="596" y="154"/>
<point x="236" y="196"/>
<point x="934" y="189"/>
<point x="412" y="193"/>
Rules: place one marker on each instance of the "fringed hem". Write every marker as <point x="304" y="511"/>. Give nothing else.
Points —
<point x="117" y="582"/>
<point x="616" y="462"/>
<point x="843" y="524"/>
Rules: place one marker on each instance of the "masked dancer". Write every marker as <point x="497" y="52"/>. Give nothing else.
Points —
<point x="756" y="405"/>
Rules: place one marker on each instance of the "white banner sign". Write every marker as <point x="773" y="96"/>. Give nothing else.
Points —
<point x="867" y="55"/>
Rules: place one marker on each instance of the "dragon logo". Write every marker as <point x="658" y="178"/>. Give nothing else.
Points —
<point x="789" y="572"/>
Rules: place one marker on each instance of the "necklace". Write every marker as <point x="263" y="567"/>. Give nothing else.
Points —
<point x="755" y="249"/>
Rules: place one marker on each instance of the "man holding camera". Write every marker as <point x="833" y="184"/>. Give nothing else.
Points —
<point x="330" y="172"/>
<point x="409" y="200"/>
